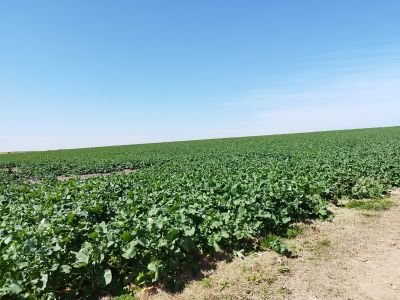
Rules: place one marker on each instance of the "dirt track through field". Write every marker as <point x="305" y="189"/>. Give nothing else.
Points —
<point x="356" y="256"/>
<point x="362" y="260"/>
<point x="93" y="175"/>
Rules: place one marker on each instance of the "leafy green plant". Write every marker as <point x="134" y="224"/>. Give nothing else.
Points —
<point x="185" y="202"/>
<point x="374" y="205"/>
<point x="275" y="243"/>
<point x="283" y="270"/>
<point x="294" y="231"/>
<point x="207" y="282"/>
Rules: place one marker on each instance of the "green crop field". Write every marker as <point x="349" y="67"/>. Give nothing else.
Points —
<point x="181" y="203"/>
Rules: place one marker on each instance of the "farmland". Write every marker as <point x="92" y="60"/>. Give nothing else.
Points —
<point x="180" y="203"/>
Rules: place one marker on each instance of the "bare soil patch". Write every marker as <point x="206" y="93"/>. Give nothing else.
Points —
<point x="92" y="175"/>
<point x="83" y="176"/>
<point x="356" y="256"/>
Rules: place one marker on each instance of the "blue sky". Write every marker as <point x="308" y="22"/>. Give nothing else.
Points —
<point x="91" y="73"/>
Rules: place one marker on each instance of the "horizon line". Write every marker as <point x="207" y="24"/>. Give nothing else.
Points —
<point x="197" y="140"/>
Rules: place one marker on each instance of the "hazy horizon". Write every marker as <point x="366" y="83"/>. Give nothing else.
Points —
<point x="201" y="139"/>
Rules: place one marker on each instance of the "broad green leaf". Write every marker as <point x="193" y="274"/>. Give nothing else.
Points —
<point x="66" y="269"/>
<point x="107" y="276"/>
<point x="190" y="232"/>
<point x="130" y="250"/>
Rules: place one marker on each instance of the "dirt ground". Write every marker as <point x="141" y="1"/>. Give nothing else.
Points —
<point x="355" y="256"/>
<point x="83" y="176"/>
<point x="92" y="175"/>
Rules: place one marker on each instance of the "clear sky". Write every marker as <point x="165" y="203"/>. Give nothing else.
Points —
<point x="90" y="73"/>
